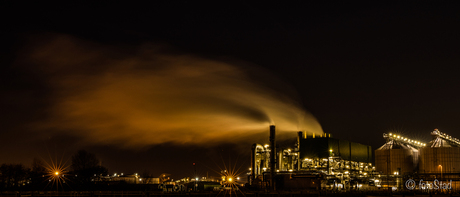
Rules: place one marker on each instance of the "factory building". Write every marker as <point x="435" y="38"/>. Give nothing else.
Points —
<point x="333" y="155"/>
<point x="317" y="161"/>
<point x="323" y="162"/>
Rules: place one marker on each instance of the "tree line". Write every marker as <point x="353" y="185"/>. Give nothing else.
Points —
<point x="85" y="167"/>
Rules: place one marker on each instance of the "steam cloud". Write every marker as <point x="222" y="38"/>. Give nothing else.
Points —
<point x="147" y="97"/>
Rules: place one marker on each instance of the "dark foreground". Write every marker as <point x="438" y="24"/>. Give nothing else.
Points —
<point x="217" y="194"/>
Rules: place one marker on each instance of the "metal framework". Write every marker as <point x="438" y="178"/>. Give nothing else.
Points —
<point x="442" y="137"/>
<point x="403" y="140"/>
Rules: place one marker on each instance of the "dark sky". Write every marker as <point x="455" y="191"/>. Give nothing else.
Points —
<point x="359" y="69"/>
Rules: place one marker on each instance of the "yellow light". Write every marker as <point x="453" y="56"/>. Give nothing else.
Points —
<point x="230" y="179"/>
<point x="56" y="173"/>
<point x="330" y="150"/>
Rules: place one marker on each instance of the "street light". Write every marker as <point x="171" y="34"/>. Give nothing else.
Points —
<point x="441" y="170"/>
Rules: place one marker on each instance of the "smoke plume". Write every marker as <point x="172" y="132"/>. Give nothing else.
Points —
<point x="142" y="97"/>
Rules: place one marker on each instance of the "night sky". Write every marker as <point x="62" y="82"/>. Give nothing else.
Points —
<point x="155" y="87"/>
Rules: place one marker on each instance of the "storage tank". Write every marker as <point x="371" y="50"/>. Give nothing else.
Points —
<point x="442" y="154"/>
<point x="397" y="156"/>
<point x="437" y="159"/>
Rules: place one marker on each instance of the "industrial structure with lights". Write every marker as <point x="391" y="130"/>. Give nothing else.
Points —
<point x="323" y="162"/>
<point x="317" y="161"/>
<point x="401" y="158"/>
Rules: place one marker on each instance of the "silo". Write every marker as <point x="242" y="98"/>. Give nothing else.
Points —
<point x="398" y="155"/>
<point x="441" y="156"/>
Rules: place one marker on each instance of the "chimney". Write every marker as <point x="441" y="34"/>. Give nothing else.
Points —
<point x="272" y="157"/>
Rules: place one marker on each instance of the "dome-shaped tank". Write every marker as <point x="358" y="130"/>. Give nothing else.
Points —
<point x="397" y="156"/>
<point x="442" y="154"/>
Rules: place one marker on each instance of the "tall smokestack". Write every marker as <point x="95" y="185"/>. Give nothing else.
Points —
<point x="272" y="157"/>
<point x="299" y="137"/>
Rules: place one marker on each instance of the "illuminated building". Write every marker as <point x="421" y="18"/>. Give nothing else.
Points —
<point x="313" y="158"/>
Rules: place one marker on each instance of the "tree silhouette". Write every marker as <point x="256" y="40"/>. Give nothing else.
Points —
<point x="86" y="166"/>
<point x="13" y="175"/>
<point x="38" y="172"/>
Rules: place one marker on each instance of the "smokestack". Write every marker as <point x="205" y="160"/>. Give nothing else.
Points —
<point x="272" y="157"/>
<point x="299" y="137"/>
<point x="253" y="163"/>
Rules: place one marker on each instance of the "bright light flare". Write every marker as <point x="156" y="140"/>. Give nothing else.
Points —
<point x="56" y="171"/>
<point x="230" y="177"/>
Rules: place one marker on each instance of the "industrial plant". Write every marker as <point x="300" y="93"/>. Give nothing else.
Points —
<point x="321" y="162"/>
